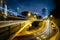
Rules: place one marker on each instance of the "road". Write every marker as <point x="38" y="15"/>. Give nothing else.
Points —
<point x="7" y="28"/>
<point x="46" y="32"/>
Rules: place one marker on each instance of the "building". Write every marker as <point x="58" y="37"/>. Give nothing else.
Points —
<point x="44" y="12"/>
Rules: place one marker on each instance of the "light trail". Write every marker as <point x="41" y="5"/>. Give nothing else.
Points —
<point x="20" y="31"/>
<point x="11" y="12"/>
<point x="1" y="8"/>
<point x="48" y="31"/>
<point x="12" y="23"/>
<point x="9" y="23"/>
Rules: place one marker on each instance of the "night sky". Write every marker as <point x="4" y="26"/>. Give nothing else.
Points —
<point x="34" y="6"/>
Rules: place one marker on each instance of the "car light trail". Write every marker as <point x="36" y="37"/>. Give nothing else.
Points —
<point x="47" y="31"/>
<point x="8" y="24"/>
<point x="20" y="30"/>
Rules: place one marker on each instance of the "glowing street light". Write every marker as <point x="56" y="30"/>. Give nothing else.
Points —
<point x="29" y="14"/>
<point x="51" y="15"/>
<point x="35" y="16"/>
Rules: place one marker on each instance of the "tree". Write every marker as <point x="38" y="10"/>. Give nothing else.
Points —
<point x="25" y="13"/>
